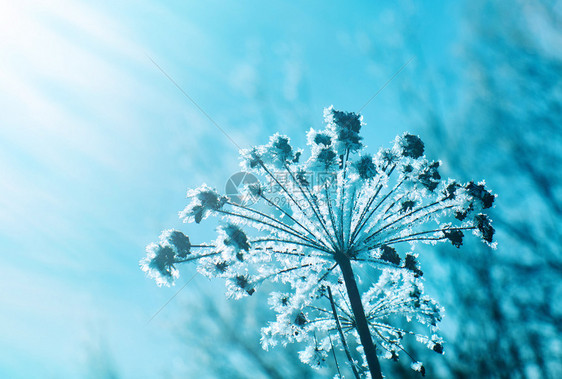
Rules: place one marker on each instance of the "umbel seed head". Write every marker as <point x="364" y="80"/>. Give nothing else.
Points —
<point x="322" y="213"/>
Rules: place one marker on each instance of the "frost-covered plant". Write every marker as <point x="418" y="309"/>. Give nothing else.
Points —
<point x="344" y="214"/>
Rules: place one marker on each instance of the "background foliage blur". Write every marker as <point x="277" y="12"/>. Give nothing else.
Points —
<point x="97" y="148"/>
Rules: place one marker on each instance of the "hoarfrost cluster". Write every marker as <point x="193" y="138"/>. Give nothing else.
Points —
<point x="361" y="213"/>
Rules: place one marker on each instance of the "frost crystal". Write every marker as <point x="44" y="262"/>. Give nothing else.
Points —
<point x="337" y="233"/>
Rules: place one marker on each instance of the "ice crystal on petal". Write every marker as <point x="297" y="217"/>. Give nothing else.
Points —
<point x="235" y="238"/>
<point x="418" y="366"/>
<point x="389" y="254"/>
<point x="412" y="146"/>
<point x="239" y="286"/>
<point x="279" y="151"/>
<point x="485" y="227"/>
<point x="479" y="192"/>
<point x="437" y="347"/>
<point x="316" y="355"/>
<point x="365" y="167"/>
<point x="345" y="126"/>
<point x="251" y="159"/>
<point x="323" y="158"/>
<point x="455" y="236"/>
<point x="411" y="264"/>
<point x="430" y="177"/>
<point x="205" y="200"/>
<point x="178" y="241"/>
<point x="159" y="264"/>
<point x="341" y="208"/>
<point x="316" y="138"/>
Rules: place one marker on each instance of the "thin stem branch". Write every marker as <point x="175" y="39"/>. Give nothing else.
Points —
<point x="292" y="242"/>
<point x="428" y="232"/>
<point x="379" y="187"/>
<point x="287" y="192"/>
<point x="313" y="204"/>
<point x="366" y="220"/>
<point x="271" y="203"/>
<point x="410" y="222"/>
<point x="197" y="257"/>
<point x="334" y="354"/>
<point x="270" y="218"/>
<point x="314" y="244"/>
<point x="342" y="336"/>
<point x="332" y="217"/>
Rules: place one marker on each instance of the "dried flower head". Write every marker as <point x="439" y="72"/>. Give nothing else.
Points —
<point x="340" y="245"/>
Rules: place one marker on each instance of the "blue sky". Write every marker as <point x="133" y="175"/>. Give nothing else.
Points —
<point x="97" y="147"/>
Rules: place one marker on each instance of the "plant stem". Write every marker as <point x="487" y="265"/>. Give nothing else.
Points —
<point x="342" y="336"/>
<point x="359" y="315"/>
